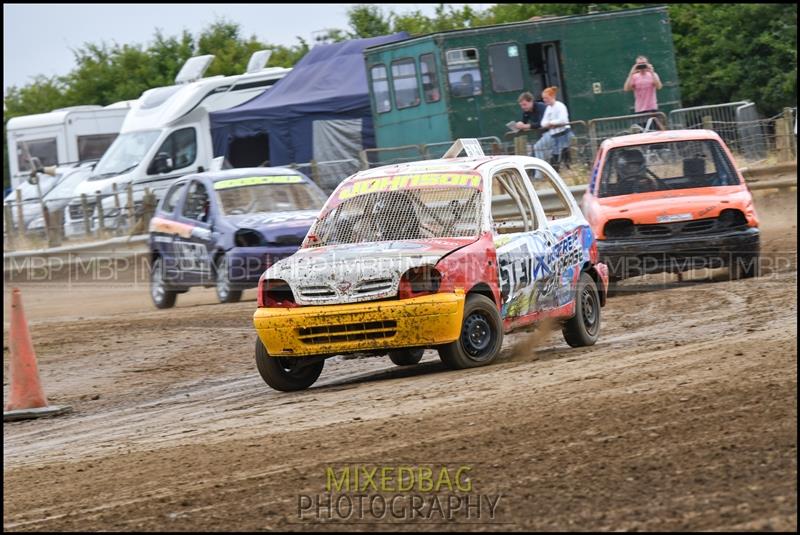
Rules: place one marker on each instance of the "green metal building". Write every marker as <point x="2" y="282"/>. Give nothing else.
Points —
<point x="465" y="83"/>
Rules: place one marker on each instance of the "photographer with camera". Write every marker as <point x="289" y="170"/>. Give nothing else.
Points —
<point x="644" y="82"/>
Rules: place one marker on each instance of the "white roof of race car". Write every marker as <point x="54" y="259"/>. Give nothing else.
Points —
<point x="449" y="164"/>
<point x="474" y="161"/>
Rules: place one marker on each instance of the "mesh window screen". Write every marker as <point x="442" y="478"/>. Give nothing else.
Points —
<point x="402" y="215"/>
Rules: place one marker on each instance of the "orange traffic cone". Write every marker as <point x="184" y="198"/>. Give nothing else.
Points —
<point x="27" y="399"/>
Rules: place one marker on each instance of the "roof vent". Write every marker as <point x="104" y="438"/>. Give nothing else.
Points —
<point x="194" y="69"/>
<point x="258" y="61"/>
<point x="469" y="145"/>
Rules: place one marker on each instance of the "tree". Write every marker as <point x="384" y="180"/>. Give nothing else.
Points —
<point x="232" y="51"/>
<point x="729" y="52"/>
<point x="445" y="18"/>
<point x="368" y="21"/>
<point x="283" y="56"/>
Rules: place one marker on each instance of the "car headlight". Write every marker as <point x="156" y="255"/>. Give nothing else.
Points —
<point x="619" y="228"/>
<point x="246" y="237"/>
<point x="275" y="293"/>
<point x="732" y="218"/>
<point x="419" y="281"/>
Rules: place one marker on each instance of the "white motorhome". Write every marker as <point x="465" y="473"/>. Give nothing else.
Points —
<point x="167" y="133"/>
<point x="62" y="136"/>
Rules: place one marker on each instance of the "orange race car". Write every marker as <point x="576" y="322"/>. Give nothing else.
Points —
<point x="671" y="201"/>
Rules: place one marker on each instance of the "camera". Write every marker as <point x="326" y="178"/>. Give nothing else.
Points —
<point x="641" y="66"/>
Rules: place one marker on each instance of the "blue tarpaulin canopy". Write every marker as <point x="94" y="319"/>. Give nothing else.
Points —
<point x="323" y="101"/>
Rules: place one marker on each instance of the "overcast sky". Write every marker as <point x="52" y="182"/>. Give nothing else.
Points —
<point x="37" y="38"/>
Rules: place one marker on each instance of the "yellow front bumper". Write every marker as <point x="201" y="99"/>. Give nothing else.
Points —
<point x="335" y="329"/>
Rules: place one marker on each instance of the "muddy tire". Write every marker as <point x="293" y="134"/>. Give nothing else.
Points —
<point x="584" y="327"/>
<point x="160" y="293"/>
<point x="225" y="291"/>
<point x="287" y="374"/>
<point x="481" y="335"/>
<point x="406" y="357"/>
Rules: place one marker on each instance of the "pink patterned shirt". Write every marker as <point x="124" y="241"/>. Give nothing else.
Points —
<point x="644" y="91"/>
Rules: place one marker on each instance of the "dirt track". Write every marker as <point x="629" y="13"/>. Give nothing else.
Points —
<point x="683" y="416"/>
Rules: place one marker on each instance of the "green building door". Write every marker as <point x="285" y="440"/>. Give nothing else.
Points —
<point x="544" y="66"/>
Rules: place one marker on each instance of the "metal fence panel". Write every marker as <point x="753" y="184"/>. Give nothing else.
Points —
<point x="693" y="117"/>
<point x="377" y="157"/>
<point x="608" y="127"/>
<point x="750" y="133"/>
<point x="722" y="115"/>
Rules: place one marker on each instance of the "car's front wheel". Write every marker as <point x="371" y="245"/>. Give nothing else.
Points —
<point x="162" y="296"/>
<point x="481" y="335"/>
<point x="225" y="291"/>
<point x="287" y="374"/>
<point x="584" y="327"/>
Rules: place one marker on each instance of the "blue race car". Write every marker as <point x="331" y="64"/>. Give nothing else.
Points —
<point x="225" y="228"/>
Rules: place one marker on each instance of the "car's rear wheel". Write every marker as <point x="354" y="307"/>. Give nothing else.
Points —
<point x="406" y="357"/>
<point x="583" y="328"/>
<point x="481" y="335"/>
<point x="287" y="374"/>
<point x="225" y="291"/>
<point x="162" y="296"/>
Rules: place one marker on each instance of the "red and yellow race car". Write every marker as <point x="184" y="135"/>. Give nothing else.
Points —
<point x="448" y="254"/>
<point x="671" y="201"/>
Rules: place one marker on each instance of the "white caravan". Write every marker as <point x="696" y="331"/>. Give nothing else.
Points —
<point x="62" y="136"/>
<point x="167" y="133"/>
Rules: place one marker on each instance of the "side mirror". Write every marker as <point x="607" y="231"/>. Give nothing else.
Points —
<point x="162" y="163"/>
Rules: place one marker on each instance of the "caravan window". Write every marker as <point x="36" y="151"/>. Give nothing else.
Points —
<point x="181" y="147"/>
<point x="506" y="67"/>
<point x="406" y="89"/>
<point x="430" y="81"/>
<point x="93" y="147"/>
<point x="463" y="72"/>
<point x="44" y="149"/>
<point x="380" y="88"/>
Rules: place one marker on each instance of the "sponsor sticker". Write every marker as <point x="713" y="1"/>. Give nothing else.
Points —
<point x="394" y="183"/>
<point x="256" y="180"/>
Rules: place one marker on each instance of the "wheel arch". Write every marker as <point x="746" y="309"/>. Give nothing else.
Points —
<point x="590" y="269"/>
<point x="484" y="289"/>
